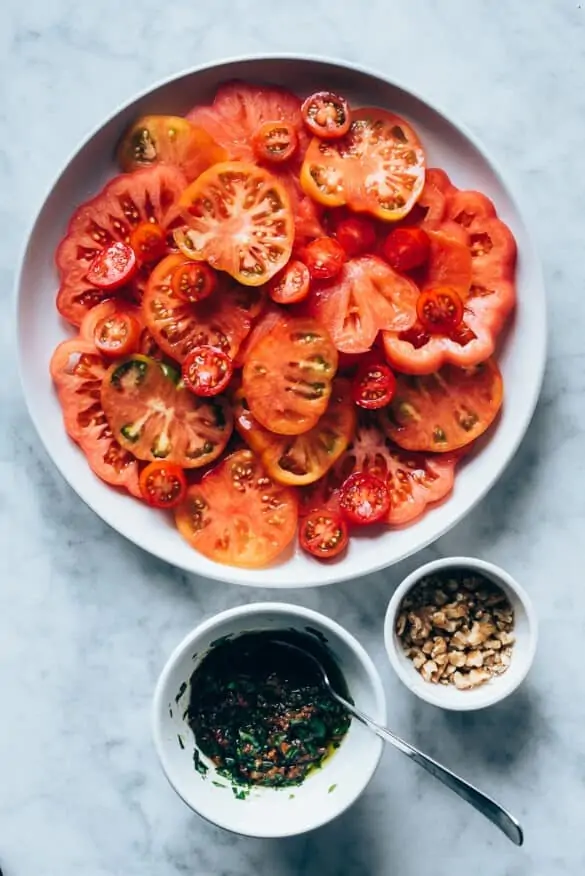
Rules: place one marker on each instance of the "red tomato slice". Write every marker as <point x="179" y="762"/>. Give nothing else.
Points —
<point x="488" y="301"/>
<point x="234" y="117"/>
<point x="444" y="411"/>
<point x="106" y="309"/>
<point x="323" y="533"/>
<point x="265" y="323"/>
<point x="364" y="498"/>
<point x="291" y="285"/>
<point x="275" y="142"/>
<point x="406" y="248"/>
<point x="112" y="215"/>
<point x="324" y="258"/>
<point x="207" y="371"/>
<point x="78" y="370"/>
<point x="149" y="242"/>
<point x="287" y="377"/>
<point x="326" y="115"/>
<point x="414" y="480"/>
<point x="223" y="320"/>
<point x="464" y="207"/>
<point x="373" y="385"/>
<point x="378" y="167"/>
<point x="356" y="234"/>
<point x="153" y="417"/>
<point x="239" y="220"/>
<point x="439" y="310"/>
<point x="117" y="335"/>
<point x="163" y="484"/>
<point x="113" y="267"/>
<point x="193" y="281"/>
<point x="238" y="515"/>
<point x="366" y="296"/>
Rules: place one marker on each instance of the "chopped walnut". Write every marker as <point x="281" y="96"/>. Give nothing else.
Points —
<point x="457" y="629"/>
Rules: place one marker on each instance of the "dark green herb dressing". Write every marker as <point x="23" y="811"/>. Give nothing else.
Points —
<point x="261" y="713"/>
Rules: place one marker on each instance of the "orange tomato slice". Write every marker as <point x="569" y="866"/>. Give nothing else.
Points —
<point x="239" y="221"/>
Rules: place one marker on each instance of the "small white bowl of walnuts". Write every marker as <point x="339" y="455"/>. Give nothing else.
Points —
<point x="461" y="633"/>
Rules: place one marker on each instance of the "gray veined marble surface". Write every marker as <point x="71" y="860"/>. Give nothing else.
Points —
<point x="87" y="620"/>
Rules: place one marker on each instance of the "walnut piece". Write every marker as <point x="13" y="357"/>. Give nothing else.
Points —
<point x="457" y="629"/>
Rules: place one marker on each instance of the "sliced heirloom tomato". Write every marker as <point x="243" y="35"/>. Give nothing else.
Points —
<point x="170" y="140"/>
<point x="323" y="533"/>
<point x="125" y="202"/>
<point x="444" y="411"/>
<point x="78" y="370"/>
<point x="483" y="277"/>
<point x="378" y="167"/>
<point x="153" y="417"/>
<point x="234" y="119"/>
<point x="287" y="377"/>
<point x="239" y="220"/>
<point x="300" y="459"/>
<point x="222" y="320"/>
<point x="414" y="480"/>
<point x="163" y="484"/>
<point x="237" y="515"/>
<point x="365" y="297"/>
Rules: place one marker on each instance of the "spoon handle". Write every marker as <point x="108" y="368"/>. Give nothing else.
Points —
<point x="480" y="801"/>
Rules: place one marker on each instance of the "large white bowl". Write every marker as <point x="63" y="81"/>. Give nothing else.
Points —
<point x="269" y="812"/>
<point x="40" y="328"/>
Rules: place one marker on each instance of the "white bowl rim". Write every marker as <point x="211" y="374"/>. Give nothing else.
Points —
<point x="325" y="574"/>
<point x="433" y="694"/>
<point x="159" y="703"/>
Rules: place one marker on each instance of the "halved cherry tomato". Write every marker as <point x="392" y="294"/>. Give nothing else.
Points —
<point x="275" y="142"/>
<point x="113" y="267"/>
<point x="153" y="417"/>
<point x="238" y="515"/>
<point x="300" y="459"/>
<point x="169" y="140"/>
<point x="366" y="296"/>
<point x="323" y="533"/>
<point x="163" y="484"/>
<point x="149" y="242"/>
<point x="223" y="320"/>
<point x="287" y="377"/>
<point x="356" y="234"/>
<point x="324" y="258"/>
<point x="291" y="285"/>
<point x="406" y="248"/>
<point x="326" y="115"/>
<point x="378" y="167"/>
<point x="117" y="335"/>
<point x="207" y="370"/>
<point x="78" y="370"/>
<point x="111" y="216"/>
<point x="373" y="386"/>
<point x="444" y="411"/>
<point x="240" y="221"/>
<point x="439" y="310"/>
<point x="364" y="498"/>
<point x="193" y="281"/>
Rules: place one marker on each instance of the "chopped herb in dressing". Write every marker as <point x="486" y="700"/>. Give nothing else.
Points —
<point x="263" y="715"/>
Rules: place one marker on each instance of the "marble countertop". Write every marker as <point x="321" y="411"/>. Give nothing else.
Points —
<point x="87" y="620"/>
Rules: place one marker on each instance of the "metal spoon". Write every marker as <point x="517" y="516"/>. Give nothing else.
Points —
<point x="480" y="801"/>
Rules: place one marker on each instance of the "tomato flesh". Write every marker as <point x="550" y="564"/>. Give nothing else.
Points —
<point x="445" y="411"/>
<point x="117" y="335"/>
<point x="239" y="220"/>
<point x="207" y="371"/>
<point x="364" y="498"/>
<point x="237" y="514"/>
<point x="149" y="242"/>
<point x="406" y="248"/>
<point x="323" y="533"/>
<point x="324" y="258"/>
<point x="193" y="281"/>
<point x="439" y="311"/>
<point x="153" y="417"/>
<point x="291" y="285"/>
<point x="373" y="386"/>
<point x="163" y="484"/>
<point x="113" y="267"/>
<point x="275" y="142"/>
<point x="326" y="115"/>
<point x="356" y="234"/>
